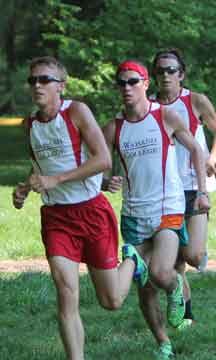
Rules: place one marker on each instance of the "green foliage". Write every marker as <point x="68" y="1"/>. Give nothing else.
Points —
<point x="78" y="88"/>
<point x="91" y="38"/>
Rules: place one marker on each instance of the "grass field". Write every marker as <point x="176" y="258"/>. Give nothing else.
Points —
<point x="28" y="306"/>
<point x="29" y="324"/>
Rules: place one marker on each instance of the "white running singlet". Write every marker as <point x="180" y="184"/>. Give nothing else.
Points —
<point x="151" y="186"/>
<point x="56" y="147"/>
<point x="183" y="106"/>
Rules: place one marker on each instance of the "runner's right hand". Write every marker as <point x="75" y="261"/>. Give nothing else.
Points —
<point x="19" y="195"/>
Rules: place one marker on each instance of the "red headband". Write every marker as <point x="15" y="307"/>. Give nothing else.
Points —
<point x="133" y="66"/>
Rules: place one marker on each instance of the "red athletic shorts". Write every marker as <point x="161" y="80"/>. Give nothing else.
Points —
<point x="85" y="232"/>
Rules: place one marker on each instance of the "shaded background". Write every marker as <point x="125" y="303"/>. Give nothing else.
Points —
<point x="92" y="37"/>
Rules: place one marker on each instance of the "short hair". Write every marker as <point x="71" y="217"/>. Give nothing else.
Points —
<point x="166" y="54"/>
<point x="50" y="61"/>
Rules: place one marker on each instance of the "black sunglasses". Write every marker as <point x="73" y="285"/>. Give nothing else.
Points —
<point x="131" y="81"/>
<point x="42" y="79"/>
<point x="168" y="69"/>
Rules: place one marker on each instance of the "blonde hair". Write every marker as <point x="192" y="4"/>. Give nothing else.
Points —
<point x="50" y="61"/>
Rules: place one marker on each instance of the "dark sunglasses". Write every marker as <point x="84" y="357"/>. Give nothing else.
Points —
<point x="168" y="69"/>
<point x="42" y="79"/>
<point x="131" y="81"/>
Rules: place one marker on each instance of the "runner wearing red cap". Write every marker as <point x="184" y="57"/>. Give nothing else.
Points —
<point x="153" y="196"/>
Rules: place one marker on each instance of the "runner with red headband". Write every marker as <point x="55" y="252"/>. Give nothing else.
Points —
<point x="133" y="66"/>
<point x="152" y="214"/>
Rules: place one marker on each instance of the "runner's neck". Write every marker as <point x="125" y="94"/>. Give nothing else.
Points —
<point x="137" y="113"/>
<point x="167" y="97"/>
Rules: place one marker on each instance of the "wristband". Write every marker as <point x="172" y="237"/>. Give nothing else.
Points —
<point x="201" y="193"/>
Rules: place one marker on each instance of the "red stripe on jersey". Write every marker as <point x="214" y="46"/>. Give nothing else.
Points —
<point x="194" y="121"/>
<point x="74" y="135"/>
<point x="158" y="115"/>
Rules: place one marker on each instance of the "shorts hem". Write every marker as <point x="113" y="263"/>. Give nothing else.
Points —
<point x="103" y="267"/>
<point x="99" y="267"/>
<point x="63" y="255"/>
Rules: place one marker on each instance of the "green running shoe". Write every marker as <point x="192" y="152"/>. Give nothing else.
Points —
<point x="176" y="304"/>
<point x="141" y="269"/>
<point x="185" y="324"/>
<point x="165" y="351"/>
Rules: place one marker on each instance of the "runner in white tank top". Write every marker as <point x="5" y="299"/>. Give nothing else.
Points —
<point x="183" y="106"/>
<point x="153" y="198"/>
<point x="195" y="109"/>
<point x="148" y="191"/>
<point x="69" y="154"/>
<point x="57" y="147"/>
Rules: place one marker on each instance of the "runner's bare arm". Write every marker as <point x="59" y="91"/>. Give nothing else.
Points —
<point x="204" y="109"/>
<point x="176" y="127"/>
<point x="21" y="191"/>
<point x="110" y="183"/>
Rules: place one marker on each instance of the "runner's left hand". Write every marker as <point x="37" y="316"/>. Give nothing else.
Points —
<point x="211" y="165"/>
<point x="202" y="202"/>
<point x="40" y="183"/>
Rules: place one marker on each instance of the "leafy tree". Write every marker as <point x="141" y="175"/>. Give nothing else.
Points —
<point x="92" y="37"/>
<point x="24" y="34"/>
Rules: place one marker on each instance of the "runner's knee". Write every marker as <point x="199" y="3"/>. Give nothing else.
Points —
<point x="68" y="300"/>
<point x="109" y="302"/>
<point x="67" y="292"/>
<point x="194" y="259"/>
<point x="160" y="276"/>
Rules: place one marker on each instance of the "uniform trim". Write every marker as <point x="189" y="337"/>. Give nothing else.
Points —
<point x="158" y="115"/>
<point x="74" y="135"/>
<point x="194" y="121"/>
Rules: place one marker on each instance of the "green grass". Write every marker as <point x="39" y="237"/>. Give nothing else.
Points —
<point x="29" y="322"/>
<point x="14" y="163"/>
<point x="28" y="304"/>
<point x="20" y="229"/>
<point x="212" y="227"/>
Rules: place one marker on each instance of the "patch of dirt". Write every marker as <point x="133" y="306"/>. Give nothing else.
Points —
<point x="211" y="266"/>
<point x="30" y="265"/>
<point x="41" y="265"/>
